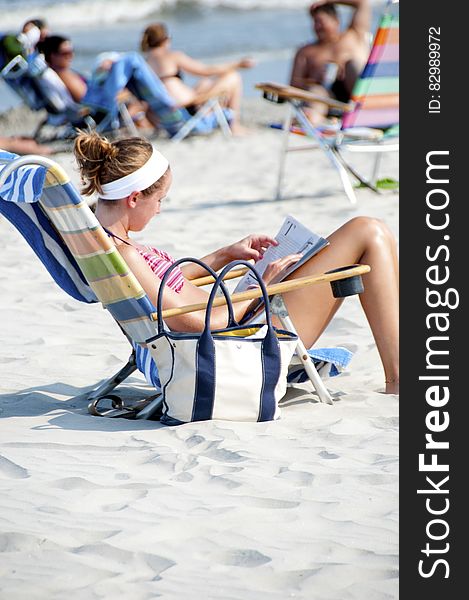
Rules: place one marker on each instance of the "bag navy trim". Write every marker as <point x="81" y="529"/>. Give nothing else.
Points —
<point x="205" y="358"/>
<point x="271" y="373"/>
<point x="205" y="378"/>
<point x="163" y="390"/>
<point x="159" y="302"/>
<point x="167" y="420"/>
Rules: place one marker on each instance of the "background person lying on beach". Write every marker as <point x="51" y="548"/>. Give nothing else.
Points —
<point x="132" y="180"/>
<point x="23" y="145"/>
<point x="170" y="65"/>
<point x="343" y="52"/>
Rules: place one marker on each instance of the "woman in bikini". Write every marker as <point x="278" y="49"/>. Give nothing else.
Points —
<point x="132" y="179"/>
<point x="170" y="65"/>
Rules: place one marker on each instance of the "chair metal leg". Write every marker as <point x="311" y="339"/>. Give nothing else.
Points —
<point x="346" y="183"/>
<point x="330" y="153"/>
<point x="127" y="120"/>
<point x="119" y="408"/>
<point x="189" y="126"/>
<point x="115" y="380"/>
<point x="221" y="119"/>
<point x="347" y="167"/>
<point x="279" y="309"/>
<point x="283" y="151"/>
<point x="374" y="174"/>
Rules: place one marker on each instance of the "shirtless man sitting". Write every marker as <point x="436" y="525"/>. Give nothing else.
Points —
<point x="344" y="52"/>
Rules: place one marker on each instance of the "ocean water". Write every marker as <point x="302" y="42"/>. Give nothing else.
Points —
<point x="211" y="30"/>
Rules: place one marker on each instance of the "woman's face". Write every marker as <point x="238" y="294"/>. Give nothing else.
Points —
<point x="148" y="207"/>
<point x="62" y="59"/>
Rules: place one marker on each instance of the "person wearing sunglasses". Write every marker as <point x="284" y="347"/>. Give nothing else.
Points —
<point x="111" y="75"/>
<point x="58" y="53"/>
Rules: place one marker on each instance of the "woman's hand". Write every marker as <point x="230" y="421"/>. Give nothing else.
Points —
<point x="276" y="267"/>
<point x="246" y="63"/>
<point x="251" y="247"/>
<point x="319" y="3"/>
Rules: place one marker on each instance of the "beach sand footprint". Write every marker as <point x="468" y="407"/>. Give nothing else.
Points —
<point x="246" y="558"/>
<point x="11" y="470"/>
<point x="297" y="478"/>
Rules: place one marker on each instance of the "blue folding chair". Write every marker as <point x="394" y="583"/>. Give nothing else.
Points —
<point x="41" y="88"/>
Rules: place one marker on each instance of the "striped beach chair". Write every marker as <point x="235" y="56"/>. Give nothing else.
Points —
<point x="37" y="197"/>
<point x="45" y="207"/>
<point x="369" y="123"/>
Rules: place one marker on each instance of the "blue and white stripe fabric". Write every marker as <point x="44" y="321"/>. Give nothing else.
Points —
<point x="146" y="365"/>
<point x="329" y="362"/>
<point x="25" y="184"/>
<point x="19" y="198"/>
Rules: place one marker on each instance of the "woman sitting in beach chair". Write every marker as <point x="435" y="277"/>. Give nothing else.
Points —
<point x="170" y="65"/>
<point x="110" y="77"/>
<point x="131" y="180"/>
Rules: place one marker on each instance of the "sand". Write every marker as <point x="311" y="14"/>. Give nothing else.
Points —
<point x="305" y="507"/>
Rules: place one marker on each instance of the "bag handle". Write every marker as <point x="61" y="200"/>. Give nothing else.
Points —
<point x="159" y="304"/>
<point x="219" y="282"/>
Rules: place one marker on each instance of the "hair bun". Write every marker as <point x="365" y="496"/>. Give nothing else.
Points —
<point x="92" y="152"/>
<point x="101" y="161"/>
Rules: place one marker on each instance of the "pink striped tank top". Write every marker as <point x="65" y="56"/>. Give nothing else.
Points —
<point x="159" y="262"/>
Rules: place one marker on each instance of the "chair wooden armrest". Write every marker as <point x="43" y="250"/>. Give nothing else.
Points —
<point x="208" y="279"/>
<point x="277" y="288"/>
<point x="292" y="93"/>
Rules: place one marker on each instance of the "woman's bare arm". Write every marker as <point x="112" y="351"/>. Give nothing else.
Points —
<point x="74" y="83"/>
<point x="196" y="67"/>
<point x="190" y="294"/>
<point x="251" y="247"/>
<point x="300" y="77"/>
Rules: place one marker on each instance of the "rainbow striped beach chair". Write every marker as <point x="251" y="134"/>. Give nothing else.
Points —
<point x="37" y="197"/>
<point x="369" y="123"/>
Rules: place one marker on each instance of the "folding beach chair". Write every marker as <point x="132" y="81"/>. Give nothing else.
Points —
<point x="369" y="122"/>
<point x="41" y="88"/>
<point x="178" y="122"/>
<point x="36" y="196"/>
<point x="208" y="117"/>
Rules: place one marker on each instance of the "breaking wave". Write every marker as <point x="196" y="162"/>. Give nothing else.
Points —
<point x="98" y="12"/>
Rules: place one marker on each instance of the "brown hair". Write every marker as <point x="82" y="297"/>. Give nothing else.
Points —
<point x="154" y="36"/>
<point x="101" y="161"/>
<point x="329" y="9"/>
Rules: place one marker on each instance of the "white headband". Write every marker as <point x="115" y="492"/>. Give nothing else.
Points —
<point x="139" y="180"/>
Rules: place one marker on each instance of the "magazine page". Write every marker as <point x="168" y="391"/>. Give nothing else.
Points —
<point x="293" y="238"/>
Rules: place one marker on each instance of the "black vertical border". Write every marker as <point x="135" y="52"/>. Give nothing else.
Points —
<point x="422" y="132"/>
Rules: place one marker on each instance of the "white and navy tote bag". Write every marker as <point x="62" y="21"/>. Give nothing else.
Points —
<point x="237" y="374"/>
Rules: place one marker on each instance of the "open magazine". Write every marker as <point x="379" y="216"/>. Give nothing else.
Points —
<point x="293" y="238"/>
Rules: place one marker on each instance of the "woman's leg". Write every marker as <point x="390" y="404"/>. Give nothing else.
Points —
<point x="361" y="240"/>
<point x="231" y="86"/>
<point x="317" y="111"/>
<point x="23" y="145"/>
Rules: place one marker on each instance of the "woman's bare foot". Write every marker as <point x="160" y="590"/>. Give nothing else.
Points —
<point x="239" y="130"/>
<point x="392" y="387"/>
